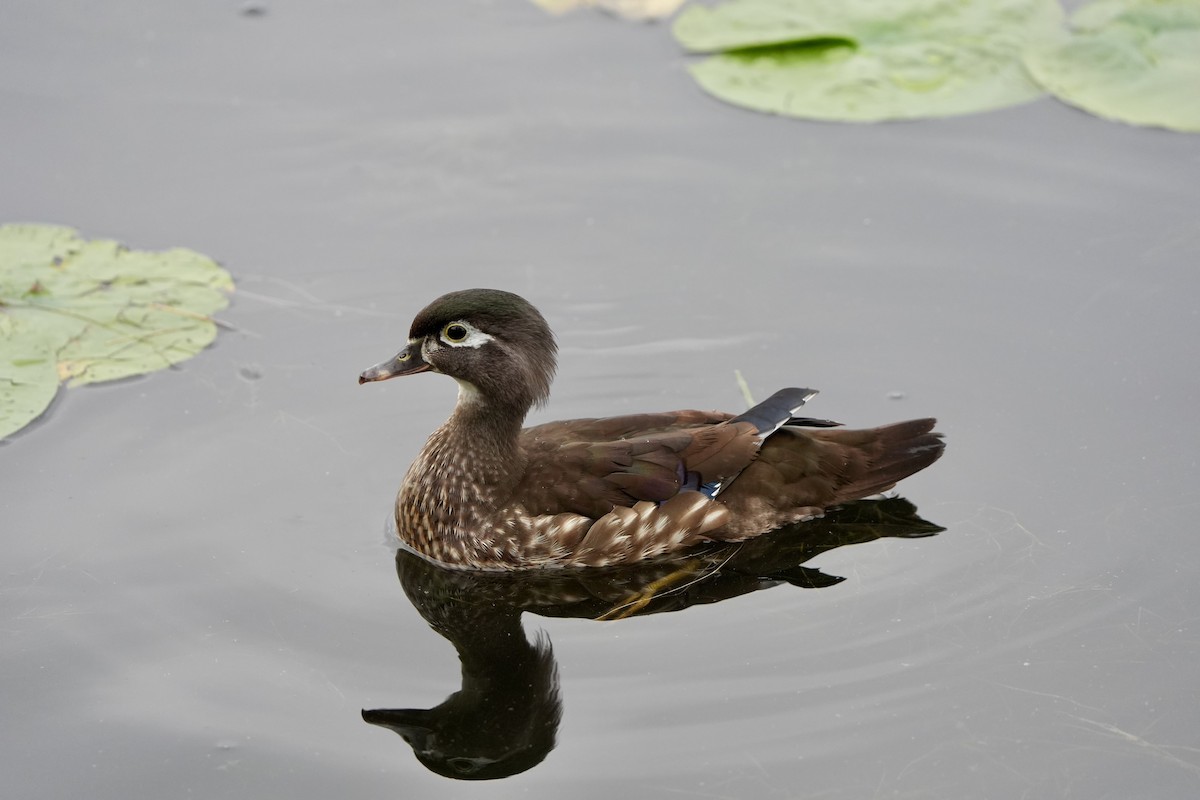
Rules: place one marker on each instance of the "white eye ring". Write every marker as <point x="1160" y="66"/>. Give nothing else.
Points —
<point x="455" y="333"/>
<point x="463" y="334"/>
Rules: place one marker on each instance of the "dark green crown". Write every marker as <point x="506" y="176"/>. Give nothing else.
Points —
<point x="493" y="310"/>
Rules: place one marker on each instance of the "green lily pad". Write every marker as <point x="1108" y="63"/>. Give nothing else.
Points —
<point x="867" y="60"/>
<point x="1136" y="61"/>
<point x="83" y="312"/>
<point x="636" y="10"/>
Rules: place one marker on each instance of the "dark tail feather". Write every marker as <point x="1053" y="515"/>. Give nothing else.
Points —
<point x="902" y="449"/>
<point x="773" y="413"/>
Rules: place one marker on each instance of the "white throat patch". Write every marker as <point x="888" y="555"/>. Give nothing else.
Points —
<point x="468" y="393"/>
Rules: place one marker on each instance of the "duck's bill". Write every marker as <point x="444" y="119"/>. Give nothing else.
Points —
<point x="407" y="362"/>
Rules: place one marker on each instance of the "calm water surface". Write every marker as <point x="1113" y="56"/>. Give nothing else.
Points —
<point x="197" y="594"/>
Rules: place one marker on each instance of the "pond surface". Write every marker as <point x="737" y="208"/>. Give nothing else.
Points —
<point x="198" y="596"/>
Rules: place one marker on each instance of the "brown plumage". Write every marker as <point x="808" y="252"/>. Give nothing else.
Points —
<point x="486" y="494"/>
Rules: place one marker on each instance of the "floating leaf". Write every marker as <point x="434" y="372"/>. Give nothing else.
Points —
<point x="867" y="60"/>
<point x="1137" y="61"/>
<point x="637" y="10"/>
<point x="82" y="312"/>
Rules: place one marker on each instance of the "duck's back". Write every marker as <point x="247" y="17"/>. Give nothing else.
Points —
<point x="592" y="466"/>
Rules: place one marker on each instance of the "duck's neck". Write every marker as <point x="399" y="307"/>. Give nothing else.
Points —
<point x="468" y="467"/>
<point x="483" y="438"/>
<point x="465" y="473"/>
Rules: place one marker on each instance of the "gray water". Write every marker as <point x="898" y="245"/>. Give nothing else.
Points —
<point x="197" y="594"/>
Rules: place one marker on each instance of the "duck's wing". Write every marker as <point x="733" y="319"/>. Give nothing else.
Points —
<point x="590" y="466"/>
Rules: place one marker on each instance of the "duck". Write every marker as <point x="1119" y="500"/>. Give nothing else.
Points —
<point x="486" y="493"/>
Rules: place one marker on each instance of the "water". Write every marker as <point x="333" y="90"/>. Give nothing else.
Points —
<point x="197" y="595"/>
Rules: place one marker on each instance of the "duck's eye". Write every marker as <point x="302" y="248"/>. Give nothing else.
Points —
<point x="454" y="332"/>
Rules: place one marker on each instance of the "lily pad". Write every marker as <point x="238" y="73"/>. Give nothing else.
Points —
<point x="636" y="10"/>
<point x="867" y="60"/>
<point x="83" y="312"/>
<point x="1136" y="61"/>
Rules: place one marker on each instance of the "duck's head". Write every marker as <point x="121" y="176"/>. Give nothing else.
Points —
<point x="494" y="343"/>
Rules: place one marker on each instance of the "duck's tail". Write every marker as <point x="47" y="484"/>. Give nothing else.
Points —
<point x="893" y="452"/>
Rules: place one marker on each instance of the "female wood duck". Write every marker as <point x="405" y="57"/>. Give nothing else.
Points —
<point x="486" y="494"/>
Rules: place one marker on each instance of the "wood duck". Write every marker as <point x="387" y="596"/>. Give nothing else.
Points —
<point x="486" y="494"/>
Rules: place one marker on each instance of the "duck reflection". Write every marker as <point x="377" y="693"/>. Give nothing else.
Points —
<point x="505" y="717"/>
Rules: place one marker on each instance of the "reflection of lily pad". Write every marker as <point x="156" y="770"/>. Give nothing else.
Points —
<point x="1137" y="61"/>
<point x="82" y="312"/>
<point x="867" y="60"/>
